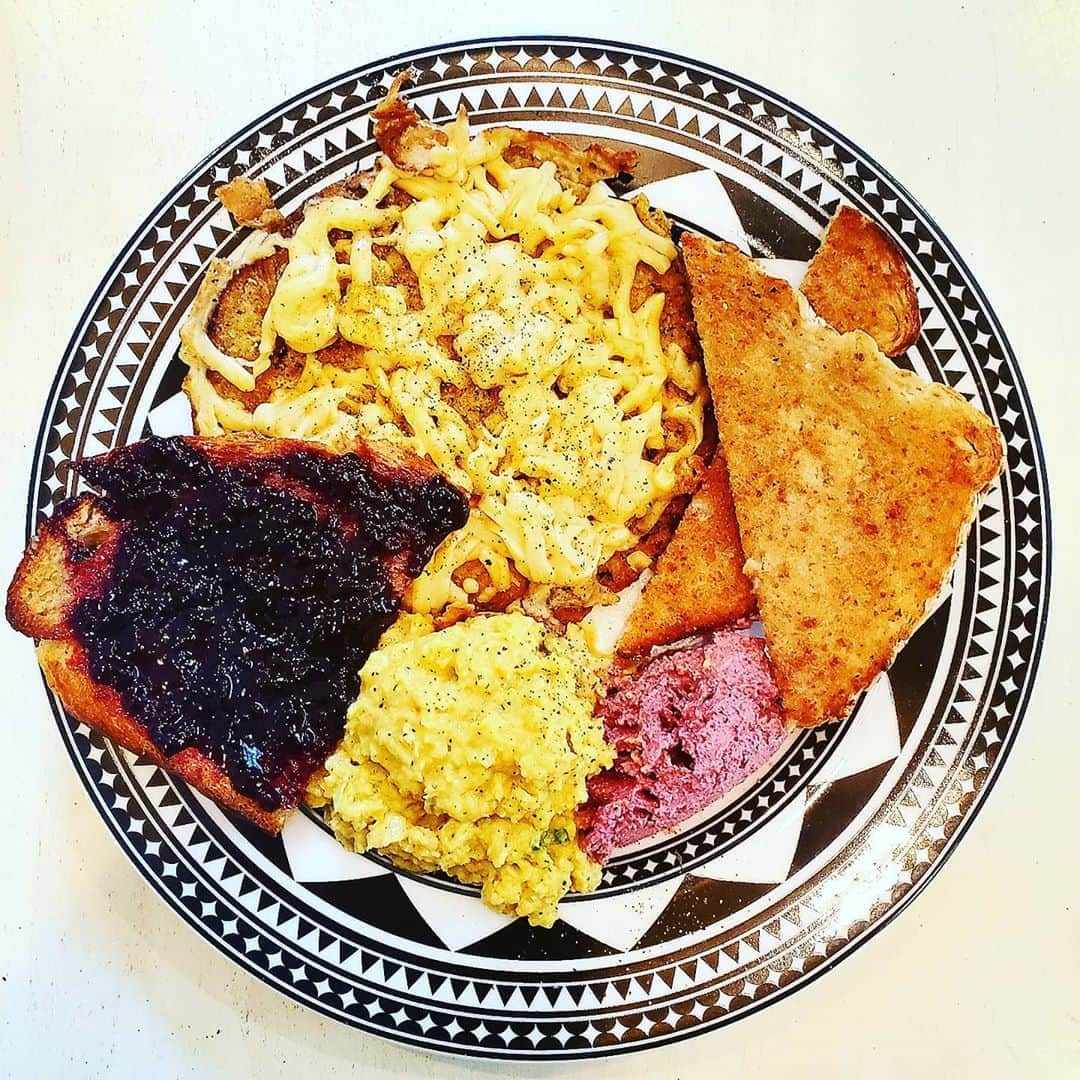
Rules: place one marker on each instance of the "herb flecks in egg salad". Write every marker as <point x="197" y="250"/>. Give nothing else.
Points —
<point x="494" y="321"/>
<point x="467" y="751"/>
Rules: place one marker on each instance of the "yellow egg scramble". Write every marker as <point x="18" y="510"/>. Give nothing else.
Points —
<point x="526" y="301"/>
<point x="467" y="751"/>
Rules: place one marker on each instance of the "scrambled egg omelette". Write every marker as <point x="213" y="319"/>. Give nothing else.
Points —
<point x="517" y="364"/>
<point x="488" y="314"/>
<point x="467" y="751"/>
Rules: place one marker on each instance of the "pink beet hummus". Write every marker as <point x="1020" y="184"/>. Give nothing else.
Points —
<point x="688" y="727"/>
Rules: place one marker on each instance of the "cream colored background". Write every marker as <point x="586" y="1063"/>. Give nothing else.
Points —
<point x="974" y="107"/>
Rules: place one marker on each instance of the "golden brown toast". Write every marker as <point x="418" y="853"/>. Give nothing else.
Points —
<point x="854" y="483"/>
<point x="407" y="139"/>
<point x="71" y="558"/>
<point x="65" y="665"/>
<point x="859" y="280"/>
<point x="698" y="582"/>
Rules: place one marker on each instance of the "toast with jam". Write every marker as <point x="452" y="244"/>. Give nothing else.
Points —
<point x="212" y="607"/>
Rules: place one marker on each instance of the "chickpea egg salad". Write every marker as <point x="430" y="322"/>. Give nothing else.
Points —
<point x="467" y="751"/>
<point x="492" y="317"/>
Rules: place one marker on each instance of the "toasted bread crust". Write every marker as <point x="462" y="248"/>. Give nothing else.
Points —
<point x="250" y="203"/>
<point x="698" y="583"/>
<point x="54" y="574"/>
<point x="236" y="324"/>
<point x="407" y="139"/>
<point x="677" y="316"/>
<point x="65" y="666"/>
<point x="67" y="560"/>
<point x="70" y="559"/>
<point x="388" y="462"/>
<point x="854" y="483"/>
<point x="859" y="280"/>
<point x="577" y="169"/>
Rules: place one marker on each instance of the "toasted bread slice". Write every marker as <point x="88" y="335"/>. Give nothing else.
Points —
<point x="698" y="582"/>
<point x="859" y="280"/>
<point x="854" y="483"/>
<point x="66" y="669"/>
<point x="73" y="559"/>
<point x="408" y="140"/>
<point x="67" y="560"/>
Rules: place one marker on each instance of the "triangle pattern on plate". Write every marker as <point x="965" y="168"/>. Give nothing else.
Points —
<point x="621" y="919"/>
<point x="698" y="197"/>
<point x="315" y="855"/>
<point x="765" y="855"/>
<point x="519" y="939"/>
<point x="872" y="737"/>
<point x="831" y="808"/>
<point x="458" y="918"/>
<point x="171" y="417"/>
<point x="702" y="902"/>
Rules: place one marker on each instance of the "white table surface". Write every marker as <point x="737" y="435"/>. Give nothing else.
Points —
<point x="973" y="106"/>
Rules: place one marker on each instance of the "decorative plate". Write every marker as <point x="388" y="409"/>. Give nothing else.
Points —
<point x="764" y="891"/>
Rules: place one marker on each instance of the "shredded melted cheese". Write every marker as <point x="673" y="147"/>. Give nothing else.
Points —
<point x="589" y="422"/>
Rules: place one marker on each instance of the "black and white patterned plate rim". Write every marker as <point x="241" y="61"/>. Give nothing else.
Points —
<point x="605" y="1009"/>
